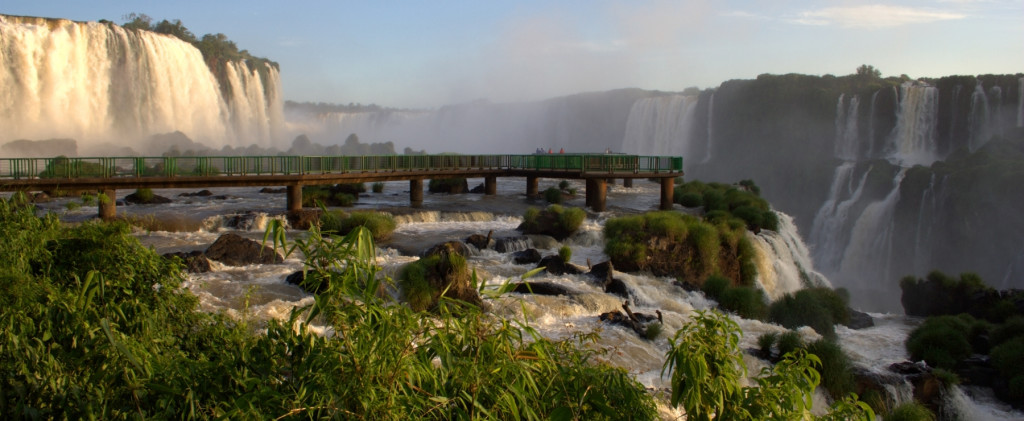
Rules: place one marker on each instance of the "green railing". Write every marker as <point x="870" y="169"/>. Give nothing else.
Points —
<point x="205" y="166"/>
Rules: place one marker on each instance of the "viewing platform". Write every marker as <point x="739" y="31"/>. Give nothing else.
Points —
<point x="108" y="174"/>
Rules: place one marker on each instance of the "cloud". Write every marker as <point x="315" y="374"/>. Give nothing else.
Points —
<point x="874" y="16"/>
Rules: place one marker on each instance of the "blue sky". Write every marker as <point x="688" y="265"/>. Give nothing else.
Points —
<point x="429" y="53"/>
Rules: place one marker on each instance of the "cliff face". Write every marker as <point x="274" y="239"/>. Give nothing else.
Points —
<point x="100" y="83"/>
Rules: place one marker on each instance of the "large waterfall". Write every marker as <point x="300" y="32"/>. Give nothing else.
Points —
<point x="661" y="126"/>
<point x="100" y="83"/>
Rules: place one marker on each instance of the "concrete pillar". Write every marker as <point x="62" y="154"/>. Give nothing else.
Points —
<point x="416" y="193"/>
<point x="491" y="185"/>
<point x="108" y="204"/>
<point x="667" y="190"/>
<point x="627" y="182"/>
<point x="532" y="183"/>
<point x="600" y="196"/>
<point x="294" y="197"/>
<point x="591" y="189"/>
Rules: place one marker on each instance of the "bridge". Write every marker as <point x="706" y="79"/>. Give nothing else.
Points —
<point x="106" y="175"/>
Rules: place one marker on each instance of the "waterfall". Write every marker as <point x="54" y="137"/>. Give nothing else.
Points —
<point x="660" y="126"/>
<point x="711" y="121"/>
<point x="829" y="232"/>
<point x="978" y="119"/>
<point x="847" y="134"/>
<point x="926" y="222"/>
<point x="871" y="125"/>
<point x="1020" y="102"/>
<point x="913" y="140"/>
<point x="97" y="82"/>
<point x="784" y="264"/>
<point x="868" y="256"/>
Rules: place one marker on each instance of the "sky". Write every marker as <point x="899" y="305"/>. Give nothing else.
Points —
<point x="426" y="54"/>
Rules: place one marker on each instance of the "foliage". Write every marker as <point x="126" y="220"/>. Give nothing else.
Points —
<point x="1008" y="360"/>
<point x="378" y="187"/>
<point x="553" y="195"/>
<point x="448" y="185"/>
<point x="820" y="308"/>
<point x="941" y="341"/>
<point x="557" y="221"/>
<point x="62" y="167"/>
<point x="836" y="368"/>
<point x="766" y="341"/>
<point x="789" y="341"/>
<point x="565" y="253"/>
<point x="910" y="411"/>
<point x="144" y="195"/>
<point x="345" y="194"/>
<point x="746" y="302"/>
<point x="380" y="225"/>
<point x="707" y="367"/>
<point x="715" y="285"/>
<point x="97" y="326"/>
<point x="743" y="202"/>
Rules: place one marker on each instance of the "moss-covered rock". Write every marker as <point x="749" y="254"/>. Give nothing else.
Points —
<point x="442" y="275"/>
<point x="557" y="221"/>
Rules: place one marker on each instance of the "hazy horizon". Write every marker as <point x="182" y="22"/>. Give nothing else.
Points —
<point x="425" y="55"/>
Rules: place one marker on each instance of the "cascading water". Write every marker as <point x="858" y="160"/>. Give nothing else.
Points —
<point x="868" y="256"/>
<point x="926" y="214"/>
<point x="711" y="125"/>
<point x="847" y="133"/>
<point x="978" y="120"/>
<point x="98" y="82"/>
<point x="830" y="233"/>
<point x="784" y="263"/>
<point x="913" y="140"/>
<point x="661" y="126"/>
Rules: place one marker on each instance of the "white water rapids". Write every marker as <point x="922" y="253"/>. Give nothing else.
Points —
<point x="260" y="292"/>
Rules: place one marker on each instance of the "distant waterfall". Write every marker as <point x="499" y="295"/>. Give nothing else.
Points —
<point x="1020" y="102"/>
<point x="660" y="126"/>
<point x="830" y="233"/>
<point x="926" y="215"/>
<point x="711" y="125"/>
<point x="978" y="120"/>
<point x="847" y="133"/>
<point x="913" y="141"/>
<point x="98" y="82"/>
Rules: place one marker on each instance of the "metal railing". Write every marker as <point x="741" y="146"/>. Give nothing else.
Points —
<point x="206" y="166"/>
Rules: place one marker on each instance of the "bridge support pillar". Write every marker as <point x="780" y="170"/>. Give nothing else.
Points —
<point x="294" y="198"/>
<point x="597" y="190"/>
<point x="627" y="182"/>
<point x="531" y="186"/>
<point x="667" y="187"/>
<point x="108" y="204"/>
<point x="491" y="185"/>
<point x="416" y="193"/>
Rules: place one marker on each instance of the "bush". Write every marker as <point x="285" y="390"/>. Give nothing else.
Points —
<point x="941" y="341"/>
<point x="563" y="185"/>
<point x="820" y="308"/>
<point x="715" y="285"/>
<point x="553" y="195"/>
<point x="556" y="221"/>
<point x="1008" y="360"/>
<point x="448" y="185"/>
<point x="378" y="187"/>
<point x="747" y="302"/>
<point x="381" y="225"/>
<point x="344" y="199"/>
<point x="836" y="373"/>
<point x="910" y="411"/>
<point x="766" y="341"/>
<point x="689" y="200"/>
<point x="789" y="342"/>
<point x="144" y="195"/>
<point x="565" y="253"/>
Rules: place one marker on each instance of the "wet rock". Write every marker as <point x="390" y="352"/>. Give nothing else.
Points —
<point x="616" y="287"/>
<point x="235" y="250"/>
<point x="479" y="241"/>
<point x="525" y="257"/>
<point x="556" y="266"/>
<point x="447" y="247"/>
<point x="601" y="272"/>
<point x="479" y="189"/>
<point x="135" y="199"/>
<point x="195" y="261"/>
<point x="541" y="241"/>
<point x="640" y="323"/>
<point x="541" y="288"/>
<point x="201" y="193"/>
<point x="271" y="190"/>
<point x="859" y="320"/>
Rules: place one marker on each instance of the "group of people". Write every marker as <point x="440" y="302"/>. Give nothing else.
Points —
<point x="562" y="150"/>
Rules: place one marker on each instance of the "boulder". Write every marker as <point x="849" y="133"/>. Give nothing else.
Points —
<point x="638" y="322"/>
<point x="303" y="219"/>
<point x="201" y="193"/>
<point x="525" y="257"/>
<point x="556" y="266"/>
<point x="512" y="244"/>
<point x="440" y="273"/>
<point x="479" y="241"/>
<point x="271" y="190"/>
<point x="195" y="261"/>
<point x="859" y="320"/>
<point x="134" y="199"/>
<point x="479" y="189"/>
<point x="541" y="288"/>
<point x="235" y="250"/>
<point x="602" y="273"/>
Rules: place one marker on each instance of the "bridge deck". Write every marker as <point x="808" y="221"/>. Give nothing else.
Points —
<point x="112" y="173"/>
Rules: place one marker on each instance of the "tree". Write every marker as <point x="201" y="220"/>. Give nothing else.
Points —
<point x="175" y="28"/>
<point x="138" y="21"/>
<point x="868" y="72"/>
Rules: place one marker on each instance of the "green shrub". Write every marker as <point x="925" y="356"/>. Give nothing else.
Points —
<point x="565" y="253"/>
<point x="144" y="195"/>
<point x="836" y="368"/>
<point x="556" y="221"/>
<point x="88" y="199"/>
<point x="378" y="187"/>
<point x="344" y="199"/>
<point x="941" y="341"/>
<point x="820" y="308"/>
<point x="1008" y="358"/>
<point x="563" y="185"/>
<point x="553" y="195"/>
<point x="747" y="302"/>
<point x="789" y="342"/>
<point x="715" y="285"/>
<point x="1012" y="328"/>
<point x="72" y="205"/>
<point x="380" y="224"/>
<point x="690" y="200"/>
<point x="910" y="411"/>
<point x="448" y="185"/>
<point x="766" y="341"/>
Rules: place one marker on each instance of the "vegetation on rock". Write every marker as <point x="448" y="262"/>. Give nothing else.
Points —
<point x="555" y="220"/>
<point x="742" y="201"/>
